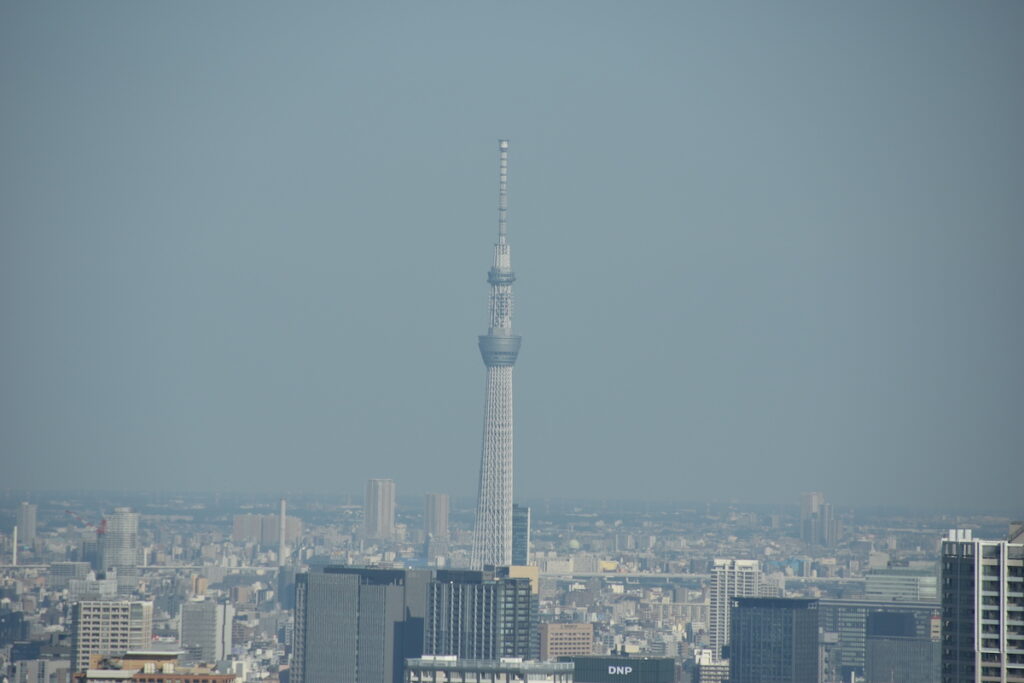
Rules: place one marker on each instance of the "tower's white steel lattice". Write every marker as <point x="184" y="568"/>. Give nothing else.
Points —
<point x="492" y="538"/>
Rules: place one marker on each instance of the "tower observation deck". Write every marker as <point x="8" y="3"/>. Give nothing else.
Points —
<point x="499" y="348"/>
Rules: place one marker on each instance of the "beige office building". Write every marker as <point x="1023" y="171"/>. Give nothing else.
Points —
<point x="565" y="640"/>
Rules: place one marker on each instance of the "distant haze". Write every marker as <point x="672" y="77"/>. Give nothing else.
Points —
<point x="761" y="248"/>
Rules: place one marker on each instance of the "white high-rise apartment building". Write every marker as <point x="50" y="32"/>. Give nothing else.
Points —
<point x="108" y="628"/>
<point x="204" y="630"/>
<point x="119" y="547"/>
<point x="435" y="515"/>
<point x="983" y="608"/>
<point x="379" y="509"/>
<point x="733" y="579"/>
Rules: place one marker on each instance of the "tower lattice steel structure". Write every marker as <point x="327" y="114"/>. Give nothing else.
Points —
<point x="492" y="539"/>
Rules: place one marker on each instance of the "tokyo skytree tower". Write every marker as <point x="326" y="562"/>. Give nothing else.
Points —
<point x="492" y="538"/>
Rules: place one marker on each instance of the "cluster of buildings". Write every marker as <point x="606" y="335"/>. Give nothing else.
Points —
<point x="207" y="592"/>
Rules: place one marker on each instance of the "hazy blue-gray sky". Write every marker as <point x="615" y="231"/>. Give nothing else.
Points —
<point x="762" y="247"/>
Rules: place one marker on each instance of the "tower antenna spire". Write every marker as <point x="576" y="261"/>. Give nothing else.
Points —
<point x="502" y="189"/>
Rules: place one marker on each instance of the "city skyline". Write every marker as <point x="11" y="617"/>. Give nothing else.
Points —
<point x="763" y="250"/>
<point x="888" y="600"/>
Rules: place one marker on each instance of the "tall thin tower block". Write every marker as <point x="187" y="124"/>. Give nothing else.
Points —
<point x="282" y="534"/>
<point x="492" y="538"/>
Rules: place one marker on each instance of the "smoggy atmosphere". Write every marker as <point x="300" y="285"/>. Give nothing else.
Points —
<point x="760" y="248"/>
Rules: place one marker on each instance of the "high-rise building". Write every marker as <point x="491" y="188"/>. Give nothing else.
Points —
<point x="492" y="538"/>
<point x="731" y="579"/>
<point x="89" y="550"/>
<point x="435" y="515"/>
<point x="204" y="630"/>
<point x="895" y="652"/>
<point x="109" y="628"/>
<point x="379" y="509"/>
<point x="282" y="534"/>
<point x="356" y="625"/>
<point x="566" y="640"/>
<point x="810" y="504"/>
<point x="119" y="547"/>
<point x="435" y="529"/>
<point x="13" y="627"/>
<point x="818" y="525"/>
<point x="481" y="615"/>
<point x="983" y="608"/>
<point x="520" y="535"/>
<point x="27" y="523"/>
<point x="773" y="640"/>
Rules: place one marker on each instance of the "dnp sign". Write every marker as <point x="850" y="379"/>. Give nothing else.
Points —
<point x="620" y="670"/>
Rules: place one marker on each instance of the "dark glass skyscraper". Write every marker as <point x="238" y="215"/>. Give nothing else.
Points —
<point x="481" y="615"/>
<point x="355" y="625"/>
<point x="773" y="640"/>
<point x="358" y="625"/>
<point x="520" y="535"/>
<point x="844" y="625"/>
<point x="818" y="524"/>
<point x="895" y="651"/>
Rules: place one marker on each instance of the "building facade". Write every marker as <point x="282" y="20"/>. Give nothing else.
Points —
<point x="983" y="608"/>
<point x="40" y="671"/>
<point x="844" y="625"/>
<point x="773" y="640"/>
<point x="379" y="510"/>
<point x="520" y="535"/>
<point x="565" y="640"/>
<point x="708" y="669"/>
<point x="449" y="669"/>
<point x="818" y="525"/>
<point x="904" y="585"/>
<point x="730" y="579"/>
<point x="355" y="625"/>
<point x="265" y="530"/>
<point x="108" y="628"/>
<point x="895" y="652"/>
<point x="149" y="666"/>
<point x="120" y="549"/>
<point x="204" y="630"/>
<point x="481" y="615"/>
<point x="26" y="522"/>
<point x="435" y="515"/>
<point x="60" y="573"/>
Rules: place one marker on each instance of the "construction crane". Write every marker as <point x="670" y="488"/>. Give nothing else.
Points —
<point x="99" y="529"/>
